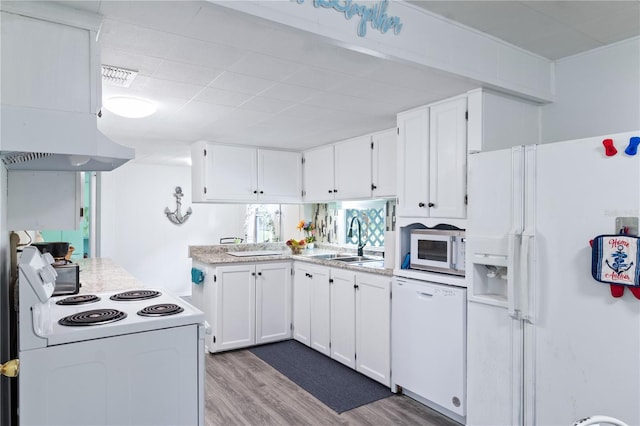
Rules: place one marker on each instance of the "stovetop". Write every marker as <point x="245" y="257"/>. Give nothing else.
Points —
<point x="67" y="319"/>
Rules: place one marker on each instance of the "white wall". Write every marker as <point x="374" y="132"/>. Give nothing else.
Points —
<point x="597" y="92"/>
<point x="136" y="234"/>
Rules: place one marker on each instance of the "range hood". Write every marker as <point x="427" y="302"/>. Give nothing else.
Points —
<point x="49" y="140"/>
<point x="52" y="90"/>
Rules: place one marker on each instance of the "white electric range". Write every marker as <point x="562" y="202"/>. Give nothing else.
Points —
<point x="116" y="358"/>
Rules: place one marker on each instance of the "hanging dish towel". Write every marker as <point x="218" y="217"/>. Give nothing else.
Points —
<point x="614" y="259"/>
<point x="197" y="276"/>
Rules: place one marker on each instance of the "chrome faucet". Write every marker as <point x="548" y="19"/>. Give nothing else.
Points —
<point x="350" y="234"/>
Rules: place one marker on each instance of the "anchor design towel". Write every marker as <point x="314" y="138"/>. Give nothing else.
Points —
<point x="615" y="258"/>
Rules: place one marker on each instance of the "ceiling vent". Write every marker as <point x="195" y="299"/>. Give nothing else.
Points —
<point x="116" y="76"/>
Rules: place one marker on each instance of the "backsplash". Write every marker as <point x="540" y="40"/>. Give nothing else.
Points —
<point x="327" y="217"/>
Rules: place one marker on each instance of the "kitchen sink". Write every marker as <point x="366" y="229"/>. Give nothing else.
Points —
<point x="351" y="259"/>
<point x="347" y="257"/>
<point x="330" y="256"/>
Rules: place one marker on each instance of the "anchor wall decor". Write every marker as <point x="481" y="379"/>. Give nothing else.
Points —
<point x="176" y="215"/>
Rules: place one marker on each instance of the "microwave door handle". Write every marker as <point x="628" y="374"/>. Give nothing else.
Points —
<point x="452" y="253"/>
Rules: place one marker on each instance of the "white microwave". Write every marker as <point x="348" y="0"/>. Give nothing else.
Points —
<point x="438" y="250"/>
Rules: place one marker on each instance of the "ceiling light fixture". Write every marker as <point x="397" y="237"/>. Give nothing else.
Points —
<point x="130" y="107"/>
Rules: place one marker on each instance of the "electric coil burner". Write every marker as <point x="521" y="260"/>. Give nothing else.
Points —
<point x="78" y="300"/>
<point x="160" y="310"/>
<point x="94" y="317"/>
<point x="135" y="295"/>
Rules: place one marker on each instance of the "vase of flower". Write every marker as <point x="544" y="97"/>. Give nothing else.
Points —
<point x="309" y="229"/>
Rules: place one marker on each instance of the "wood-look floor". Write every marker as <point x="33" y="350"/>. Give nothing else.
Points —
<point x="241" y="389"/>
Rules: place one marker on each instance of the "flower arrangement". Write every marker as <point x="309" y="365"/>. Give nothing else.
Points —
<point x="295" y="245"/>
<point x="309" y="229"/>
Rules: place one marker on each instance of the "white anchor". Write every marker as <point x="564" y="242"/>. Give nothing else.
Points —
<point x="176" y="216"/>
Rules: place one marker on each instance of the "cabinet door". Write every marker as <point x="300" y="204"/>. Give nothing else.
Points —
<point x="320" y="310"/>
<point x="33" y="58"/>
<point x="343" y="328"/>
<point x="448" y="159"/>
<point x="273" y="302"/>
<point x="318" y="174"/>
<point x="413" y="163"/>
<point x="33" y="204"/>
<point x="385" y="147"/>
<point x="373" y="327"/>
<point x="279" y="176"/>
<point x="230" y="173"/>
<point x="302" y="304"/>
<point x="235" y="308"/>
<point x="353" y="168"/>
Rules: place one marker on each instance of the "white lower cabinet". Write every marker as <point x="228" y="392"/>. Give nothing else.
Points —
<point x="343" y="318"/>
<point x="247" y="304"/>
<point x="301" y="304"/>
<point x="373" y="327"/>
<point x="273" y="302"/>
<point x="311" y="319"/>
<point x="235" y="319"/>
<point x="360" y="323"/>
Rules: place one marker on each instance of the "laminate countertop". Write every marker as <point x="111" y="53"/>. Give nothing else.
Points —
<point x="219" y="254"/>
<point x="103" y="274"/>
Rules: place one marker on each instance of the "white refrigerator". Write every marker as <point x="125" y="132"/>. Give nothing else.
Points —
<point x="546" y="343"/>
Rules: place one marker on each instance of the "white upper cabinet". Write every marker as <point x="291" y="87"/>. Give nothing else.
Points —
<point x="232" y="173"/>
<point x="318" y="174"/>
<point x="432" y="160"/>
<point x="37" y="73"/>
<point x="279" y="176"/>
<point x="413" y="162"/>
<point x="32" y="204"/>
<point x="383" y="159"/>
<point x="353" y="168"/>
<point x="498" y="121"/>
<point x="358" y="168"/>
<point x="448" y="159"/>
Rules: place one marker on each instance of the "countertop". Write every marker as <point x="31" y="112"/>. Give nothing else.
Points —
<point x="103" y="274"/>
<point x="218" y="254"/>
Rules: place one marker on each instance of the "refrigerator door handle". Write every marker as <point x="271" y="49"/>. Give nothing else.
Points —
<point x="512" y="296"/>
<point x="524" y="278"/>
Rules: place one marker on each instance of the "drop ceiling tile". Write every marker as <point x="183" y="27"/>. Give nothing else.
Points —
<point x="241" y="83"/>
<point x="289" y="92"/>
<point x="345" y="103"/>
<point x="222" y="97"/>
<point x="197" y="114"/>
<point x="172" y="16"/>
<point x="214" y="23"/>
<point x="201" y="53"/>
<point x="245" y="117"/>
<point x="185" y="73"/>
<point x="264" y="104"/>
<point x="315" y="78"/>
<point x="156" y="88"/>
<point x="287" y="44"/>
<point x="265" y="66"/>
<point x="134" y="40"/>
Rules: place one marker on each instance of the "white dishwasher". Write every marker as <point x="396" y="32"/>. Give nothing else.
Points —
<point x="428" y="344"/>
